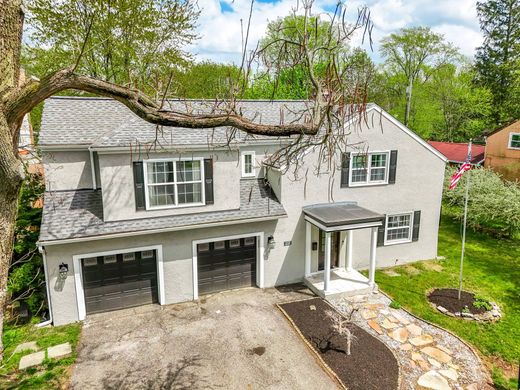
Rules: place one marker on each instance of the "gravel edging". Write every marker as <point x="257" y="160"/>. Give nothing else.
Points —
<point x="470" y="347"/>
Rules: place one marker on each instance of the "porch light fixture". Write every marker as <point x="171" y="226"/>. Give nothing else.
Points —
<point x="63" y="269"/>
<point x="271" y="242"/>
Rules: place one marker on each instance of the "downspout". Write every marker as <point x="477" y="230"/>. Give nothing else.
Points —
<point x="92" y="168"/>
<point x="41" y="249"/>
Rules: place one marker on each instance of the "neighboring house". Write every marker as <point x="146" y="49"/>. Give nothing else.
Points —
<point x="457" y="152"/>
<point x="124" y="226"/>
<point x="26" y="147"/>
<point x="503" y="151"/>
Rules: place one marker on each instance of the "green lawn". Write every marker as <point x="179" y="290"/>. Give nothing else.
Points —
<point x="491" y="269"/>
<point x="53" y="373"/>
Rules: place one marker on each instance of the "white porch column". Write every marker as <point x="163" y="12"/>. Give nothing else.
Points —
<point x="372" y="268"/>
<point x="350" y="241"/>
<point x="326" y="272"/>
<point x="308" y="243"/>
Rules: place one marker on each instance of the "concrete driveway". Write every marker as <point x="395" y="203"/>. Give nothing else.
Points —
<point x="232" y="340"/>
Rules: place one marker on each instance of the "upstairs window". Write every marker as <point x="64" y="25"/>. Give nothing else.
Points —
<point x="248" y="164"/>
<point x="514" y="141"/>
<point x="173" y="183"/>
<point x="369" y="168"/>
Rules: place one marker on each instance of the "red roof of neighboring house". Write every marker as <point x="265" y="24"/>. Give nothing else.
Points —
<point x="457" y="152"/>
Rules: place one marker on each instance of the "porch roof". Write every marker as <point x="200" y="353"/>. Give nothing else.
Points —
<point x="344" y="214"/>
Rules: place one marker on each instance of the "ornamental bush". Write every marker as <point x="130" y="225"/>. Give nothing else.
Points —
<point x="493" y="205"/>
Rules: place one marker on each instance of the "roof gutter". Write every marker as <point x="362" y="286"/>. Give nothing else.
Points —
<point x="155" y="231"/>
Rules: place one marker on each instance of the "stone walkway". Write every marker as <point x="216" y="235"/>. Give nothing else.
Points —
<point x="36" y="358"/>
<point x="429" y="358"/>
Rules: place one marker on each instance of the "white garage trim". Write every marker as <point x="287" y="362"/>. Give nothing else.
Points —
<point x="259" y="258"/>
<point x="78" y="275"/>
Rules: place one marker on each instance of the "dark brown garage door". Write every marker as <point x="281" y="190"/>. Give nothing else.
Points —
<point x="119" y="281"/>
<point x="224" y="265"/>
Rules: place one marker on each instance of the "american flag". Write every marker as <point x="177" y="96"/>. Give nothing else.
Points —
<point x="466" y="166"/>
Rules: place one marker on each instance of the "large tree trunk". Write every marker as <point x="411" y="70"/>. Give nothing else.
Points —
<point x="11" y="27"/>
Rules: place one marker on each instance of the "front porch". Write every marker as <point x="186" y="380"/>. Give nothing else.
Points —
<point x="342" y="282"/>
<point x="333" y="273"/>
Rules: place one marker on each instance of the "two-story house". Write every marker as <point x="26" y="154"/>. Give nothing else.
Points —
<point x="125" y="224"/>
<point x="503" y="151"/>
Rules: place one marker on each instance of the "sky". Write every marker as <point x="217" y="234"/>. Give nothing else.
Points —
<point x="219" y="25"/>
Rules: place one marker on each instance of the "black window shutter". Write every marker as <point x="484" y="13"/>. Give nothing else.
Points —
<point x="381" y="233"/>
<point x="393" y="167"/>
<point x="345" y="166"/>
<point x="139" y="186"/>
<point x="208" y="180"/>
<point x="416" y="225"/>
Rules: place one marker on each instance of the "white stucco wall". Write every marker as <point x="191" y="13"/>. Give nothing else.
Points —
<point x="67" y="170"/>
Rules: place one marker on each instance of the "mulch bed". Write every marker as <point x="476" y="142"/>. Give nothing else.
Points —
<point x="371" y="365"/>
<point x="449" y="299"/>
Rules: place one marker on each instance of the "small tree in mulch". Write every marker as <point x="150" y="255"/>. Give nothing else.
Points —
<point x="339" y="327"/>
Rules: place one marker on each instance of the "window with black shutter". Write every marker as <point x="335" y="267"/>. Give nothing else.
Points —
<point x="393" y="167"/>
<point x="208" y="180"/>
<point x="139" y="186"/>
<point x="345" y="167"/>
<point x="416" y="225"/>
<point x="381" y="233"/>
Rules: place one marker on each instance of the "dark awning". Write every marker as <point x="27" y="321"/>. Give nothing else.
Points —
<point x="332" y="215"/>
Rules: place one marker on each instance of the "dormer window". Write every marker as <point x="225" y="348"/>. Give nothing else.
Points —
<point x="173" y="183"/>
<point x="248" y="164"/>
<point x="514" y="141"/>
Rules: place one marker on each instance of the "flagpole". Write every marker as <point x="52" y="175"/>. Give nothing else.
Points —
<point x="466" y="196"/>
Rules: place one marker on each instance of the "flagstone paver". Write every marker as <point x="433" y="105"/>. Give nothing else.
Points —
<point x="32" y="359"/>
<point x="59" y="350"/>
<point x="374" y="325"/>
<point x="399" y="334"/>
<point x="419" y="341"/>
<point x="437" y="354"/>
<point x="29" y="346"/>
<point x="421" y="349"/>
<point x="432" y="380"/>
<point x="387" y="324"/>
<point x="414" y="330"/>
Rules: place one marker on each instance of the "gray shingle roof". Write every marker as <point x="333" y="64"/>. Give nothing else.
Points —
<point x="105" y="122"/>
<point x="78" y="214"/>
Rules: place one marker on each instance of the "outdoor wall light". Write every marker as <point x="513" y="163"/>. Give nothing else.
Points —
<point x="63" y="269"/>
<point x="271" y="242"/>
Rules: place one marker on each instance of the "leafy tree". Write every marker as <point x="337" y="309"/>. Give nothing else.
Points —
<point x="415" y="52"/>
<point x="493" y="206"/>
<point x="497" y="61"/>
<point x="206" y="80"/>
<point x="129" y="42"/>
<point x="465" y="108"/>
<point x="26" y="275"/>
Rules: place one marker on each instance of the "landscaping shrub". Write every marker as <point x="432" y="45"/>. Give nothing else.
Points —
<point x="493" y="206"/>
<point x="26" y="278"/>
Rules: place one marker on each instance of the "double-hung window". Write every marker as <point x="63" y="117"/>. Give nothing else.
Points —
<point x="514" y="141"/>
<point x="398" y="228"/>
<point x="248" y="164"/>
<point x="369" y="168"/>
<point x="173" y="183"/>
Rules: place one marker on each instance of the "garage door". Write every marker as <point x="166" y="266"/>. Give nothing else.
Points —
<point x="119" y="281"/>
<point x="225" y="265"/>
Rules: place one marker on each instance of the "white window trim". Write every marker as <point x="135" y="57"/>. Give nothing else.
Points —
<point x="78" y="274"/>
<point x="368" y="182"/>
<point x="410" y="232"/>
<point x="509" y="145"/>
<point x="243" y="163"/>
<point x="177" y="205"/>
